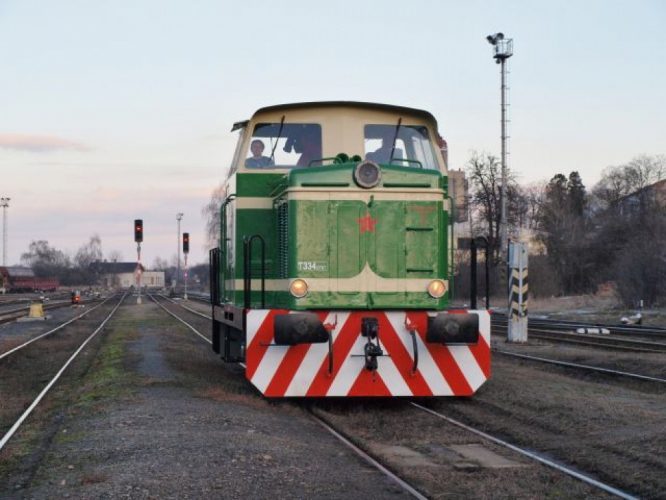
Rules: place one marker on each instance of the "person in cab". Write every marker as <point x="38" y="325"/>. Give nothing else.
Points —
<point x="257" y="160"/>
<point x="388" y="148"/>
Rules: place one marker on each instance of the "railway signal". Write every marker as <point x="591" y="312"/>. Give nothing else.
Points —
<point x="186" y="243"/>
<point x="138" y="238"/>
<point x="138" y="230"/>
<point x="186" y="250"/>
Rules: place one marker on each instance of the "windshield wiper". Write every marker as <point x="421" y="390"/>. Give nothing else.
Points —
<point x="395" y="138"/>
<point x="272" y="160"/>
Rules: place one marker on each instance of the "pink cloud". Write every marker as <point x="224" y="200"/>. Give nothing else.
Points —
<point x="38" y="143"/>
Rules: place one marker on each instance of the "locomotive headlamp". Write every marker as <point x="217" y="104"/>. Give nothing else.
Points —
<point x="298" y="288"/>
<point x="436" y="289"/>
<point x="367" y="174"/>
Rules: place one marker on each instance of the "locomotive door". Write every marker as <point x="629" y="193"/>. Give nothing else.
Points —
<point x="387" y="253"/>
<point x="368" y="252"/>
<point x="349" y="250"/>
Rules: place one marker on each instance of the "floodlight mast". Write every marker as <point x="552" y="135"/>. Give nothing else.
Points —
<point x="4" y="203"/>
<point x="503" y="49"/>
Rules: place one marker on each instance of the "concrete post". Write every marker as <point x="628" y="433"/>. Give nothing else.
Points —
<point x="518" y="293"/>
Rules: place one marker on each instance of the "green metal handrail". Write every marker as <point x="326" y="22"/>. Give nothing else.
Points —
<point x="451" y="275"/>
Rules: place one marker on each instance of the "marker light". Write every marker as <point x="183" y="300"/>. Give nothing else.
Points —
<point x="367" y="174"/>
<point x="298" y="288"/>
<point x="436" y="289"/>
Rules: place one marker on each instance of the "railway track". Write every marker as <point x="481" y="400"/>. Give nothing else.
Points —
<point x="541" y="458"/>
<point x="628" y="330"/>
<point x="20" y="312"/>
<point x="582" y="367"/>
<point x="613" y="329"/>
<point x="18" y="399"/>
<point x="607" y="341"/>
<point x="376" y="462"/>
<point x="54" y="330"/>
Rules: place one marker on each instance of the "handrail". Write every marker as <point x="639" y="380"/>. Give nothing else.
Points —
<point x="223" y="237"/>
<point x="473" y="304"/>
<point x="247" y="270"/>
<point x="228" y="200"/>
<point x="214" y="277"/>
<point x="321" y="160"/>
<point x="451" y="249"/>
<point x="278" y="187"/>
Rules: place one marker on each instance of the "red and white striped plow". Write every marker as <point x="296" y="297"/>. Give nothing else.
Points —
<point x="303" y="370"/>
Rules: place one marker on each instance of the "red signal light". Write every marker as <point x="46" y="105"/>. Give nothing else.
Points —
<point x="186" y="242"/>
<point x="138" y="230"/>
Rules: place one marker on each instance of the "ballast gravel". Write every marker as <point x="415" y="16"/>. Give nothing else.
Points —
<point x="170" y="441"/>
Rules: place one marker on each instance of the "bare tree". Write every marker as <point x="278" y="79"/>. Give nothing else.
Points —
<point x="115" y="256"/>
<point x="619" y="181"/>
<point x="47" y="261"/>
<point x="484" y="173"/>
<point x="211" y="212"/>
<point x="160" y="264"/>
<point x="483" y="170"/>
<point x="89" y="253"/>
<point x="630" y="230"/>
<point x="535" y="195"/>
<point x="644" y="170"/>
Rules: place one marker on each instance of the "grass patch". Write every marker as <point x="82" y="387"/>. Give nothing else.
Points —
<point x="110" y="376"/>
<point x="65" y="438"/>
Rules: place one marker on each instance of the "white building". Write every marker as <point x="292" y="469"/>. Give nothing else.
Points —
<point x="125" y="275"/>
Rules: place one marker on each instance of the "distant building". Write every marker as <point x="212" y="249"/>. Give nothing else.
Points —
<point x="459" y="193"/>
<point x="636" y="202"/>
<point x="124" y="275"/>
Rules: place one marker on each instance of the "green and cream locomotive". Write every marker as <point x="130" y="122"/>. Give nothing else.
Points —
<point x="331" y="278"/>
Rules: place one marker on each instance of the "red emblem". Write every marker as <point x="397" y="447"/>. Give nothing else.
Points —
<point x="367" y="223"/>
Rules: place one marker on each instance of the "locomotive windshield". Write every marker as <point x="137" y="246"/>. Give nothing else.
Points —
<point x="284" y="145"/>
<point x="402" y="145"/>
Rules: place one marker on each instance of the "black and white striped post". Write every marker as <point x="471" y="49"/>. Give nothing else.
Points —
<point x="518" y="292"/>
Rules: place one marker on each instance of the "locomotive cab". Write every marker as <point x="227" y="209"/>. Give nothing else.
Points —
<point x="332" y="274"/>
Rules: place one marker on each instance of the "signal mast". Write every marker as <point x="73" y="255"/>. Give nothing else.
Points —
<point x="138" y="238"/>
<point x="186" y="250"/>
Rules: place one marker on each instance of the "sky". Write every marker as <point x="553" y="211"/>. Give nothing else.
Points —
<point x="112" y="111"/>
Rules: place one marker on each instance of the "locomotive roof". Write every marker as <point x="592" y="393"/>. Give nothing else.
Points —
<point x="342" y="104"/>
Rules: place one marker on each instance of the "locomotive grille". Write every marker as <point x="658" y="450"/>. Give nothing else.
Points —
<point x="283" y="238"/>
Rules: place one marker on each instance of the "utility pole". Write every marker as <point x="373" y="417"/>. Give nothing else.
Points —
<point x="503" y="49"/>
<point x="4" y="203"/>
<point x="179" y="216"/>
